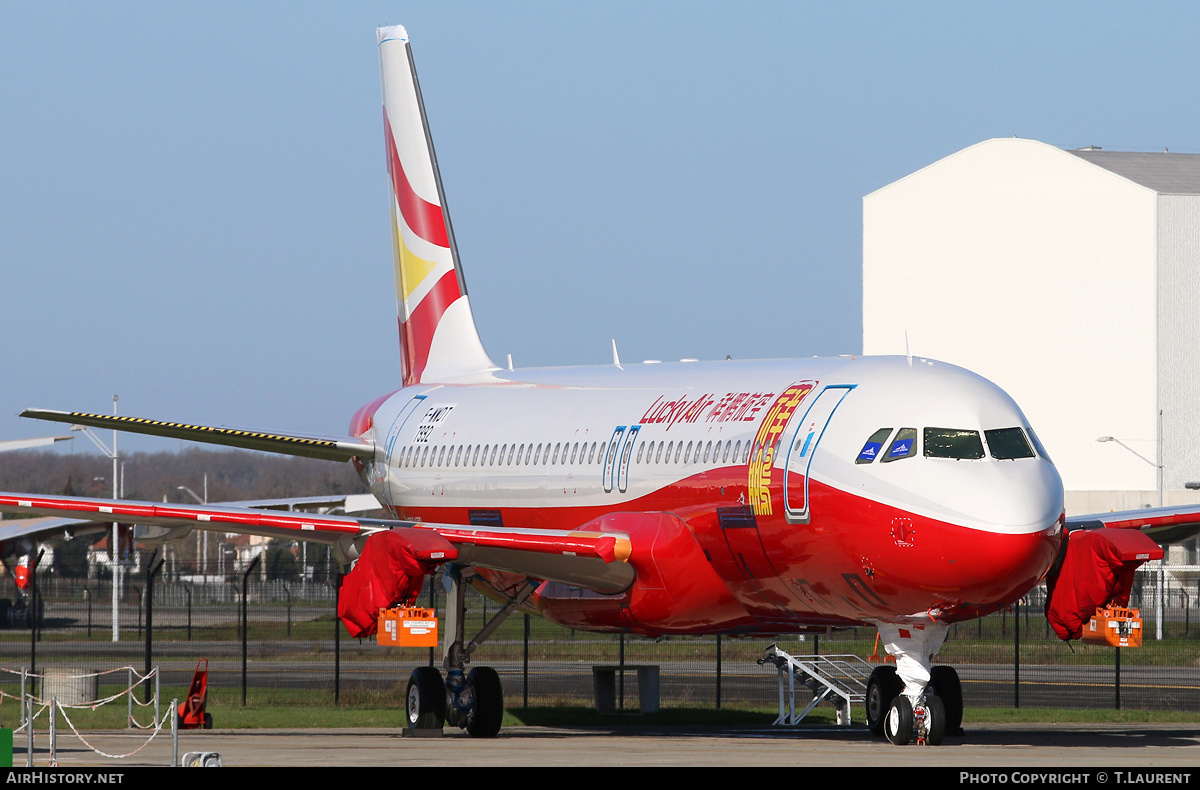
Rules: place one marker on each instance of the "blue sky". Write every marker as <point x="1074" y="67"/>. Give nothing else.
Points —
<point x="193" y="196"/>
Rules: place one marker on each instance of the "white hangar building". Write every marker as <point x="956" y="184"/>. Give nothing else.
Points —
<point x="1069" y="278"/>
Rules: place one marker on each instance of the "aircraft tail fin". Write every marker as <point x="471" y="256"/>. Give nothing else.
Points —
<point x="438" y="338"/>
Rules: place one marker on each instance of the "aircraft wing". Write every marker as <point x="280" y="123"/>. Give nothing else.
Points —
<point x="329" y="448"/>
<point x="594" y="560"/>
<point x="47" y="528"/>
<point x="1161" y="524"/>
<point x="348" y="503"/>
<point x="25" y="444"/>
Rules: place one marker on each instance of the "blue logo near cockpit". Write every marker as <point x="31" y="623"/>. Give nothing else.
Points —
<point x="900" y="448"/>
<point x="870" y="452"/>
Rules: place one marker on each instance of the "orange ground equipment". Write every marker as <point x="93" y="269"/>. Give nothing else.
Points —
<point x="192" y="715"/>
<point x="1115" y="626"/>
<point x="407" y="626"/>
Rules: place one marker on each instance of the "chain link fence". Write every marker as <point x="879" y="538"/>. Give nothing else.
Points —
<point x="297" y="653"/>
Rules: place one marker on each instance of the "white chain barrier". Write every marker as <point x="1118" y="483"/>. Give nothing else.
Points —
<point x="29" y="716"/>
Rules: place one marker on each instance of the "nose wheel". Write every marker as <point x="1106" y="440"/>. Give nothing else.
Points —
<point x="898" y="724"/>
<point x="924" y="722"/>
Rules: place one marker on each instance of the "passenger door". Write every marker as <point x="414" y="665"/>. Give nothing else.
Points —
<point x="805" y="432"/>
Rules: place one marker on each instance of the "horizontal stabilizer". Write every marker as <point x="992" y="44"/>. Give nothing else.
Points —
<point x="329" y="448"/>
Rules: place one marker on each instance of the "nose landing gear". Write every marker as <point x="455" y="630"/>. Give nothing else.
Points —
<point x="926" y="720"/>
<point x="913" y="700"/>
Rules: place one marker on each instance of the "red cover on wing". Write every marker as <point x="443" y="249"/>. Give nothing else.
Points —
<point x="1097" y="569"/>
<point x="389" y="571"/>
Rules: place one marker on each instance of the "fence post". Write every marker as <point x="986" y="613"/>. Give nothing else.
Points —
<point x="129" y="691"/>
<point x="525" y="666"/>
<point x="174" y="732"/>
<point x="24" y="676"/>
<point x="151" y="571"/>
<point x="718" y="671"/>
<point x="621" y="675"/>
<point x="53" y="732"/>
<point x="432" y="605"/>
<point x="31" y="611"/>
<point x="337" y="645"/>
<point x="1017" y="654"/>
<point x="1117" y="684"/>
<point x="245" y="584"/>
<point x="29" y="732"/>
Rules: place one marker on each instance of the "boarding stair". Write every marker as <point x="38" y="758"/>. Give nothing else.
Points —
<point x="840" y="679"/>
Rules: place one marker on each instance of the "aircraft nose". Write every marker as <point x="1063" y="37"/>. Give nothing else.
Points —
<point x="1015" y="526"/>
<point x="998" y="533"/>
<point x="1008" y="498"/>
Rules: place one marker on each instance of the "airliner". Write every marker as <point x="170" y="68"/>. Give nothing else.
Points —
<point x="723" y="497"/>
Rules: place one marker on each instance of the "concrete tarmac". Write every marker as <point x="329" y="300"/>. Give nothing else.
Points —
<point x="1165" y="747"/>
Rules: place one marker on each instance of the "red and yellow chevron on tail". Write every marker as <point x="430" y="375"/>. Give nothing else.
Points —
<point x="438" y="338"/>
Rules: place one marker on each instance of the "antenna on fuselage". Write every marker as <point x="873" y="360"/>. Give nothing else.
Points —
<point x="907" y="349"/>
<point x="510" y="367"/>
<point x="616" y="359"/>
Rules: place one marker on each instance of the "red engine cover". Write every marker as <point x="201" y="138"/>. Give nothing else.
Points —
<point x="1097" y="569"/>
<point x="389" y="571"/>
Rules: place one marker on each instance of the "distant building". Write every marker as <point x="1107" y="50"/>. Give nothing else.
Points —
<point x="1069" y="278"/>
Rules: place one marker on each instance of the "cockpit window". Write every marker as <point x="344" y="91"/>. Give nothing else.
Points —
<point x="952" y="443"/>
<point x="873" y="447"/>
<point x="1038" y="445"/>
<point x="1008" y="443"/>
<point x="903" y="446"/>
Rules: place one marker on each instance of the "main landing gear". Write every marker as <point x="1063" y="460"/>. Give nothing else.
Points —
<point x="911" y="700"/>
<point x="472" y="700"/>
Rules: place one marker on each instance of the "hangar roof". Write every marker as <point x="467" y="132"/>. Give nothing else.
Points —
<point x="1167" y="173"/>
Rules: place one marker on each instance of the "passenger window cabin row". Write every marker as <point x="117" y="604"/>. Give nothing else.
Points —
<point x="581" y="453"/>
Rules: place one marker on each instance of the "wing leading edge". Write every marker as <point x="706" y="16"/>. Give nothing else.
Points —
<point x="1161" y="524"/>
<point x="329" y="448"/>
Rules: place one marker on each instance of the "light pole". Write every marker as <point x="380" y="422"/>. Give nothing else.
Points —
<point x="204" y="501"/>
<point x="115" y="542"/>
<point x="1158" y="467"/>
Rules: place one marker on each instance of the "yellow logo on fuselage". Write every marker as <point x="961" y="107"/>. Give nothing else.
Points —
<point x="762" y="454"/>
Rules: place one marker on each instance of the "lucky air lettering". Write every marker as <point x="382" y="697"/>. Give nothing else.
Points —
<point x="731" y="407"/>
<point x="680" y="410"/>
<point x="762" y="455"/>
